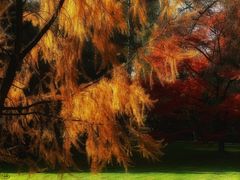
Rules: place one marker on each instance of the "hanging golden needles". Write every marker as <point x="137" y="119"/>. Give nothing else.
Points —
<point x="105" y="115"/>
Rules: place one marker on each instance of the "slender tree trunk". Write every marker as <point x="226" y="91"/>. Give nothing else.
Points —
<point x="131" y="41"/>
<point x="221" y="146"/>
<point x="16" y="60"/>
<point x="19" y="52"/>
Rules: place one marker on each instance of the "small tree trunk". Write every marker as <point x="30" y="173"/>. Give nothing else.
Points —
<point x="221" y="146"/>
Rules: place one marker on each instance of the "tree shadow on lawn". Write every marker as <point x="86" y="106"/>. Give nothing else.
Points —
<point x="189" y="157"/>
<point x="180" y="158"/>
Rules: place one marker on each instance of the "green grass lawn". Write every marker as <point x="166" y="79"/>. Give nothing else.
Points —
<point x="127" y="176"/>
<point x="182" y="160"/>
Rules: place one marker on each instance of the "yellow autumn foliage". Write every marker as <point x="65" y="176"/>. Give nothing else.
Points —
<point x="107" y="115"/>
<point x="97" y="111"/>
<point x="80" y="21"/>
<point x="138" y="11"/>
<point x="110" y="98"/>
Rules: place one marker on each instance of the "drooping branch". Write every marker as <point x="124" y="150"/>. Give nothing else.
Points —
<point x="51" y="116"/>
<point x="27" y="107"/>
<point x="43" y="31"/>
<point x="205" y="54"/>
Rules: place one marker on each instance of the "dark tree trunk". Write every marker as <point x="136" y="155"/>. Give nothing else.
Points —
<point x="16" y="59"/>
<point x="19" y="53"/>
<point x="221" y="146"/>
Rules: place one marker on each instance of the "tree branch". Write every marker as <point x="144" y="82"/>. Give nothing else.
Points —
<point x="226" y="89"/>
<point x="26" y="107"/>
<point x="43" y="31"/>
<point x="201" y="13"/>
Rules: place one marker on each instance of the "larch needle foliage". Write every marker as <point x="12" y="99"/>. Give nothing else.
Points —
<point x="51" y="105"/>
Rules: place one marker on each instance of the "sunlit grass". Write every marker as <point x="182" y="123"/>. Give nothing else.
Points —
<point x="125" y="176"/>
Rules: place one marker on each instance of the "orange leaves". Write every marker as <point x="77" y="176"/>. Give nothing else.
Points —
<point x="109" y="112"/>
<point x="164" y="55"/>
<point x="138" y="11"/>
<point x="80" y="21"/>
<point x="229" y="108"/>
<point x="92" y="14"/>
<point x="169" y="9"/>
<point x="110" y="97"/>
<point x="97" y="111"/>
<point x="230" y="73"/>
<point x="5" y="4"/>
<point x="197" y="64"/>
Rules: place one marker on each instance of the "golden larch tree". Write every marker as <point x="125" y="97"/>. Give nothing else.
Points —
<point x="64" y="108"/>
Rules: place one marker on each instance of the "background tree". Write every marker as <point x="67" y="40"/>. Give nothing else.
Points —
<point x="208" y="82"/>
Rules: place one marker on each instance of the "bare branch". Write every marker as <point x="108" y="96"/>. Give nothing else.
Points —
<point x="226" y="88"/>
<point x="201" y="13"/>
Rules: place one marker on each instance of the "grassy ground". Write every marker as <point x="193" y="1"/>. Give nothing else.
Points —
<point x="183" y="160"/>
<point x="118" y="176"/>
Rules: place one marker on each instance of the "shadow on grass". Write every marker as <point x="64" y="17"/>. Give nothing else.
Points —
<point x="179" y="158"/>
<point x="189" y="157"/>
